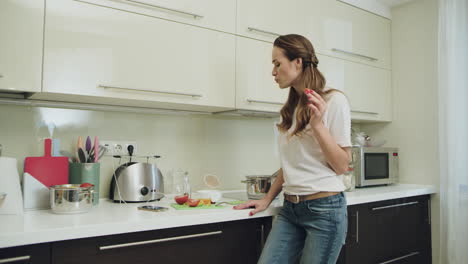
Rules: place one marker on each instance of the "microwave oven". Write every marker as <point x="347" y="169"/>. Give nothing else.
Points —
<point x="374" y="165"/>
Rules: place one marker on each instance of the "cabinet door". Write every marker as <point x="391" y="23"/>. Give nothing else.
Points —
<point x="101" y="52"/>
<point x="214" y="14"/>
<point x="394" y="231"/>
<point x="256" y="88"/>
<point x="230" y="242"/>
<point x="266" y="19"/>
<point x="354" y="34"/>
<point x="32" y="254"/>
<point x="367" y="88"/>
<point x="21" y="28"/>
<point x="334" y="28"/>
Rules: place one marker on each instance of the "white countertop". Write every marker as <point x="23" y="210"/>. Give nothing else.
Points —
<point x="112" y="218"/>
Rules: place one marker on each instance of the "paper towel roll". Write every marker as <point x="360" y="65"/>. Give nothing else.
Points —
<point x="10" y="184"/>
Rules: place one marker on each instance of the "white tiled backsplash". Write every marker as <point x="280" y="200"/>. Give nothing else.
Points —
<point x="228" y="147"/>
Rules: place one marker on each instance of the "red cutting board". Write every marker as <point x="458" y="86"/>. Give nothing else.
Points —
<point x="48" y="170"/>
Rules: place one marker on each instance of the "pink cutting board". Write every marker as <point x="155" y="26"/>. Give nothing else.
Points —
<point x="48" y="170"/>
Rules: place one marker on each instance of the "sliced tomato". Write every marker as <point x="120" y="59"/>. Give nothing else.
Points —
<point x="86" y="185"/>
<point x="181" y="199"/>
<point x="193" y="202"/>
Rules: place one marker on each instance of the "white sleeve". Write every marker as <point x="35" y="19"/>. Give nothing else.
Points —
<point x="338" y="119"/>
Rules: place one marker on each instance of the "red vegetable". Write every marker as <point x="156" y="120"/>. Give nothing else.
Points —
<point x="181" y="199"/>
<point x="86" y="185"/>
<point x="193" y="202"/>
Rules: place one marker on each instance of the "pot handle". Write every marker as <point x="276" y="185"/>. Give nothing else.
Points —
<point x="248" y="181"/>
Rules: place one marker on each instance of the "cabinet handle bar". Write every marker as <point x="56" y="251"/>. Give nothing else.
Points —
<point x="357" y="226"/>
<point x="160" y="240"/>
<point x="263" y="31"/>
<point x="166" y="8"/>
<point x="151" y="91"/>
<point x="263" y="102"/>
<point x="11" y="260"/>
<point x="354" y="54"/>
<point x="400" y="258"/>
<point x="394" y="205"/>
<point x="364" y="112"/>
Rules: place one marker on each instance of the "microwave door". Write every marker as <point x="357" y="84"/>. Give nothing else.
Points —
<point x="376" y="168"/>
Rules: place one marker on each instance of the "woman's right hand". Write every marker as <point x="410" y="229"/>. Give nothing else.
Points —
<point x="259" y="205"/>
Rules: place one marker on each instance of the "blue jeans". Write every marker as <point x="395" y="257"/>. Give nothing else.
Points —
<point x="309" y="232"/>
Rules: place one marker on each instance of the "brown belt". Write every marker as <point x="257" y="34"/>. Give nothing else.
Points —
<point x="300" y="198"/>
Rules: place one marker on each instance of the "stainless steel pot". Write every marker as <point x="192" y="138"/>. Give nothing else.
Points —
<point x="71" y="199"/>
<point x="258" y="185"/>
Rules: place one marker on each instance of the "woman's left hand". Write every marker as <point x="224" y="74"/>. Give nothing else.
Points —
<point x="317" y="107"/>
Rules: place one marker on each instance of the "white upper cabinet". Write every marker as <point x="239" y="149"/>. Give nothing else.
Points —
<point x="214" y="14"/>
<point x="267" y="19"/>
<point x="334" y="28"/>
<point x="21" y="28"/>
<point x="255" y="86"/>
<point x="367" y="88"/>
<point x="100" y="52"/>
<point x="353" y="34"/>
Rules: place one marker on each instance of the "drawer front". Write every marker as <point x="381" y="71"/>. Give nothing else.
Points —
<point x="32" y="254"/>
<point x="209" y="243"/>
<point x="395" y="230"/>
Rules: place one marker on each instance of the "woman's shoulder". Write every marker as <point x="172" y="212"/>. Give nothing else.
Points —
<point x="334" y="96"/>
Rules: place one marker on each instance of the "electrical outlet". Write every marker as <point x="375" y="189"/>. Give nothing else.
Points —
<point x="119" y="147"/>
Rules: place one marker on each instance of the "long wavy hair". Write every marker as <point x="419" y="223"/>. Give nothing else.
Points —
<point x="296" y="46"/>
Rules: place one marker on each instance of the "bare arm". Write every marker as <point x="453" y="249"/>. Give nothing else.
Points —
<point x="275" y="187"/>
<point x="337" y="157"/>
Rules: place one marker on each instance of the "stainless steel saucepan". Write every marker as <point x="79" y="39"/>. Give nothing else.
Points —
<point x="71" y="198"/>
<point x="258" y="185"/>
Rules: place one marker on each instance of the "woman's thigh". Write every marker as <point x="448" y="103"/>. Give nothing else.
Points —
<point x="325" y="221"/>
<point x="284" y="243"/>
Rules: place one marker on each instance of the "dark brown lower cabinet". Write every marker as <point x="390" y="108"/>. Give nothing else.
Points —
<point x="31" y="254"/>
<point x="227" y="242"/>
<point x="389" y="232"/>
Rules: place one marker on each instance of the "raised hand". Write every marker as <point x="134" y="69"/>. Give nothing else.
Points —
<point x="317" y="107"/>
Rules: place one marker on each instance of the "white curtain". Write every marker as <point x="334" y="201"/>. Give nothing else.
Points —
<point x="453" y="131"/>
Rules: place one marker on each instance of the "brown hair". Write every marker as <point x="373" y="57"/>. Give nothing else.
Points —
<point x="296" y="46"/>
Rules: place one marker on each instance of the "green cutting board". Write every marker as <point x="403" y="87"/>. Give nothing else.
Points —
<point x="204" y="206"/>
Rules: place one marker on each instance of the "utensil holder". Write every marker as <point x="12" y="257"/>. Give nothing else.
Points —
<point x="86" y="172"/>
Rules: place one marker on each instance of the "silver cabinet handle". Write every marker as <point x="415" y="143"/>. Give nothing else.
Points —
<point x="263" y="31"/>
<point x="151" y="91"/>
<point x="400" y="258"/>
<point x="364" y="112"/>
<point x="16" y="259"/>
<point x="394" y="205"/>
<point x="160" y="240"/>
<point x="195" y="16"/>
<point x="357" y="226"/>
<point x="355" y="54"/>
<point x="263" y="102"/>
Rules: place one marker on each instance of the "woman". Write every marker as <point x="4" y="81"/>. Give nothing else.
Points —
<point x="314" y="143"/>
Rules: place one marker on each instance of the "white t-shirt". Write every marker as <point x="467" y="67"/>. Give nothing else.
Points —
<point x="305" y="170"/>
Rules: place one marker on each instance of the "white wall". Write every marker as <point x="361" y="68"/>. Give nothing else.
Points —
<point x="415" y="103"/>
<point x="228" y="147"/>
